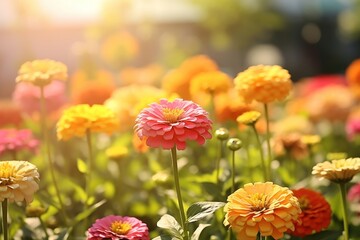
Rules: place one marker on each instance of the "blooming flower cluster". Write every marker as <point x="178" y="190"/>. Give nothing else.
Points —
<point x="13" y="140"/>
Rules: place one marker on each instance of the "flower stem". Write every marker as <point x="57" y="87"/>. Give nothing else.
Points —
<point x="233" y="172"/>
<point x="263" y="164"/>
<point x="47" y="147"/>
<point x="89" y="167"/>
<point x="178" y="192"/>
<point x="44" y="228"/>
<point x="221" y="155"/>
<point x="344" y="210"/>
<point x="268" y="140"/>
<point x="4" y="206"/>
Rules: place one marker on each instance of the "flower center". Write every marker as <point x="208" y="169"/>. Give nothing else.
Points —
<point x="172" y="114"/>
<point x="304" y="203"/>
<point x="120" y="227"/>
<point x="258" y="202"/>
<point x="6" y="174"/>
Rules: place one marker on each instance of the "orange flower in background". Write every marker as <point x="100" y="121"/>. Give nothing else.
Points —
<point x="291" y="144"/>
<point x="10" y="114"/>
<point x="148" y="75"/>
<point x="77" y="120"/>
<point x="353" y="77"/>
<point x="128" y="101"/>
<point x="293" y="124"/>
<point x="264" y="208"/>
<point x="140" y="144"/>
<point x="338" y="171"/>
<point x="178" y="80"/>
<point x="263" y="83"/>
<point x="119" y="48"/>
<point x="42" y="72"/>
<point x="315" y="215"/>
<point x="229" y="105"/>
<point x="213" y="82"/>
<point x="93" y="93"/>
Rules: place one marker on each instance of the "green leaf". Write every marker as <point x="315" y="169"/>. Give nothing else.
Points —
<point x="84" y="214"/>
<point x="198" y="231"/>
<point x="81" y="165"/>
<point x="200" y="210"/>
<point x="170" y="224"/>
<point x="166" y="237"/>
<point x="324" y="235"/>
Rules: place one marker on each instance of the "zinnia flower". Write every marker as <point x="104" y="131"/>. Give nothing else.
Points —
<point x="354" y="193"/>
<point x="169" y="124"/>
<point x="353" y="77"/>
<point x="353" y="123"/>
<point x="118" y="227"/>
<point x="338" y="171"/>
<point x="42" y="72"/>
<point x="10" y="114"/>
<point x="78" y="119"/>
<point x="249" y="118"/>
<point x="93" y="93"/>
<point x="213" y="82"/>
<point x="13" y="140"/>
<point x="261" y="207"/>
<point x="315" y="215"/>
<point x="290" y="144"/>
<point x="18" y="181"/>
<point x="264" y="84"/>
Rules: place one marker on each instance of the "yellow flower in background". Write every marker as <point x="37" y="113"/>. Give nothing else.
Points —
<point x="249" y="118"/>
<point x="339" y="171"/>
<point x="264" y="208"/>
<point x="117" y="152"/>
<point x="264" y="83"/>
<point x="311" y="139"/>
<point x="213" y="82"/>
<point x="42" y="72"/>
<point x="18" y="181"/>
<point x="77" y="120"/>
<point x="293" y="124"/>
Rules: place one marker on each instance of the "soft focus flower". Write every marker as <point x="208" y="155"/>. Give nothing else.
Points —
<point x="229" y="105"/>
<point x="139" y="144"/>
<point x="290" y="144"/>
<point x="93" y="93"/>
<point x="310" y="139"/>
<point x="119" y="48"/>
<point x="310" y="85"/>
<point x="170" y="124"/>
<point x="77" y="120"/>
<point x="10" y="114"/>
<point x="27" y="97"/>
<point x="213" y="82"/>
<point x="118" y="227"/>
<point x="338" y="171"/>
<point x="147" y="75"/>
<point x="353" y="123"/>
<point x="18" y="181"/>
<point x="42" y="72"/>
<point x="128" y="101"/>
<point x="261" y="207"/>
<point x="248" y="118"/>
<point x="293" y="124"/>
<point x="354" y="193"/>
<point x="178" y="80"/>
<point x="263" y="83"/>
<point x="117" y="152"/>
<point x="14" y="140"/>
<point x="353" y="77"/>
<point x="315" y="215"/>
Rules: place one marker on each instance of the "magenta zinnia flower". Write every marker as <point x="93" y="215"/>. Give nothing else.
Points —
<point x="14" y="140"/>
<point x="118" y="227"/>
<point x="169" y="124"/>
<point x="354" y="193"/>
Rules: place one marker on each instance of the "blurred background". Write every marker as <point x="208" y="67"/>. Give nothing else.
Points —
<point x="307" y="37"/>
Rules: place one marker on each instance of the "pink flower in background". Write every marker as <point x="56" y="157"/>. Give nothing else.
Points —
<point x="27" y="96"/>
<point x="354" y="193"/>
<point x="315" y="83"/>
<point x="169" y="124"/>
<point x="352" y="127"/>
<point x="118" y="227"/>
<point x="17" y="140"/>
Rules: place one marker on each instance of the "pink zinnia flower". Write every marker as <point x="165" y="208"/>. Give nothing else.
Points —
<point x="169" y="124"/>
<point x="354" y="193"/>
<point x="27" y="96"/>
<point x="16" y="140"/>
<point x="118" y="227"/>
<point x="352" y="128"/>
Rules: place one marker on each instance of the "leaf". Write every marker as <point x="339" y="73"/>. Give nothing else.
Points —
<point x="166" y="237"/>
<point x="324" y="235"/>
<point x="170" y="224"/>
<point x="81" y="165"/>
<point x="84" y="214"/>
<point x="200" y="210"/>
<point x="198" y="231"/>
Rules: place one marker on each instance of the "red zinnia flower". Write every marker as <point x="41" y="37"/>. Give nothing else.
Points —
<point x="169" y="124"/>
<point x="118" y="227"/>
<point x="315" y="215"/>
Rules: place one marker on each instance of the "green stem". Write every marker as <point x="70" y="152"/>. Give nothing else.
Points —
<point x="4" y="206"/>
<point x="47" y="147"/>
<point x="268" y="139"/>
<point x="44" y="228"/>
<point x="344" y="210"/>
<point x="89" y="167"/>
<point x="221" y="155"/>
<point x="178" y="192"/>
<point x="233" y="172"/>
<point x="14" y="155"/>
<point x="263" y="164"/>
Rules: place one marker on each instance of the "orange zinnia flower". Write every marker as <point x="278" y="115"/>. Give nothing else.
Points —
<point x="315" y="215"/>
<point x="261" y="207"/>
<point x="264" y="84"/>
<point x="10" y="114"/>
<point x="353" y="77"/>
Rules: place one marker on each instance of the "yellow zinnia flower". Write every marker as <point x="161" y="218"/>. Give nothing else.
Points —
<point x="264" y="84"/>
<point x="78" y="119"/>
<point x="18" y="181"/>
<point x="42" y="72"/>
<point x="339" y="171"/>
<point x="261" y="207"/>
<point x="212" y="82"/>
<point x="249" y="117"/>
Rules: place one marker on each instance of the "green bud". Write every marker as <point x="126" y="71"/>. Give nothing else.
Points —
<point x="222" y="134"/>
<point x="234" y="144"/>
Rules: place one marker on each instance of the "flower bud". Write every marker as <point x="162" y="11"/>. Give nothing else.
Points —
<point x="222" y="134"/>
<point x="234" y="144"/>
